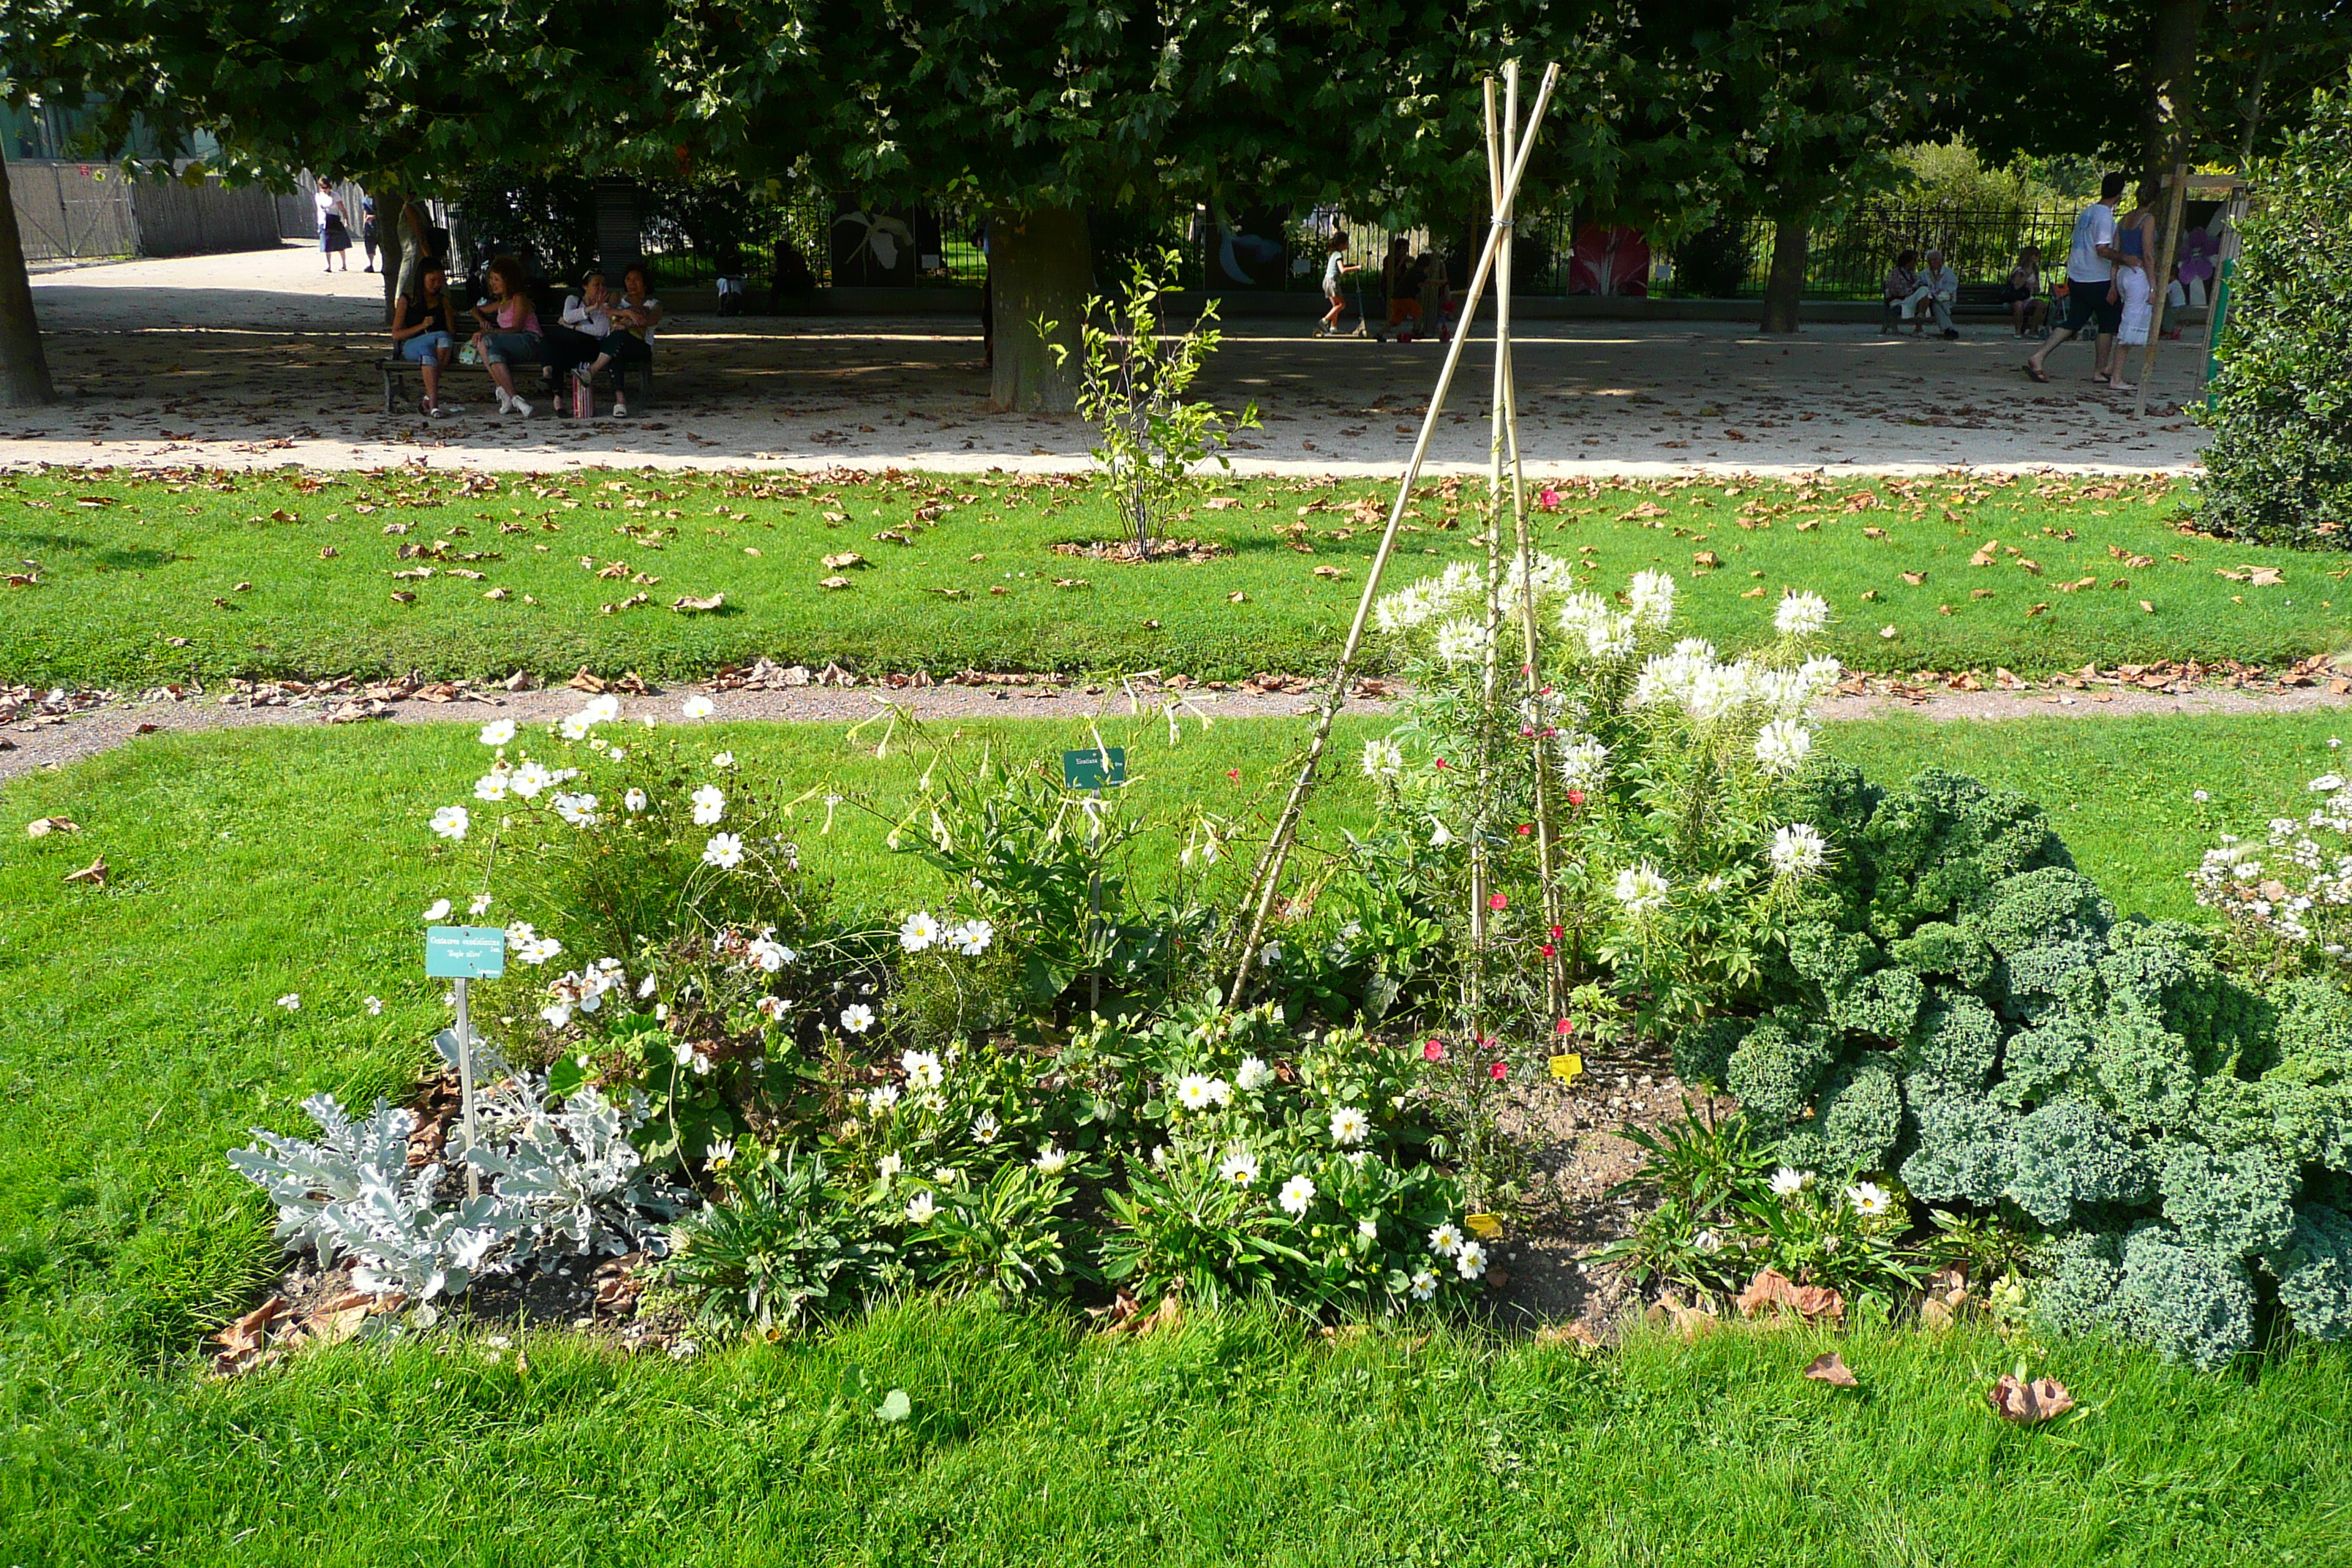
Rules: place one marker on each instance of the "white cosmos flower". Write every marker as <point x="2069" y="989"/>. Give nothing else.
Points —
<point x="2325" y="783"/>
<point x="579" y="810"/>
<point x="1350" y="1125"/>
<point x="634" y="800"/>
<point x="709" y="805"/>
<point x="767" y="954"/>
<point x="723" y="760"/>
<point x="1652" y="596"/>
<point x="920" y="1208"/>
<point x="1425" y="1284"/>
<point x="1781" y="747"/>
<point x="1797" y="850"/>
<point x="530" y="779"/>
<point x="725" y="851"/>
<point x="498" y="731"/>
<point x="1868" y="1198"/>
<point x="481" y="905"/>
<point x="1240" y="1168"/>
<point x="438" y="909"/>
<point x="1471" y="1261"/>
<point x="1298" y="1195"/>
<point x="291" y="1002"/>
<point x="1641" y="889"/>
<point x="374" y="1005"/>
<point x="451" y="822"/>
<point x="1253" y="1074"/>
<point x="576" y="726"/>
<point x="1051" y="1161"/>
<point x="857" y="1017"/>
<point x="922" y="1068"/>
<point x="1383" y="759"/>
<point x="1788" y="1181"/>
<point x="1583" y="763"/>
<point x="699" y="707"/>
<point x="1801" y="615"/>
<point x="972" y="938"/>
<point x="1192" y="1091"/>
<point x="920" y="931"/>
<point x="1445" y="1240"/>
<point x="491" y="786"/>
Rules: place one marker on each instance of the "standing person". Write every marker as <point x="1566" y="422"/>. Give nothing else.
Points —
<point x="508" y="324"/>
<point x="578" y="338"/>
<point x="1335" y="266"/>
<point x="2090" y="277"/>
<point x="368" y="235"/>
<point x="1939" y="287"/>
<point x="425" y="332"/>
<point x="323" y="202"/>
<point x="2028" y="312"/>
<point x="2135" y="294"/>
<point x="636" y="315"/>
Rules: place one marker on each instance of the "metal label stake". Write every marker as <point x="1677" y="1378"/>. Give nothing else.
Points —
<point x="458" y="954"/>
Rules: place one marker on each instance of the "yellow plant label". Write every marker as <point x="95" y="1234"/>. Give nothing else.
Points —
<point x="1567" y="1067"/>
<point x="1486" y="1227"/>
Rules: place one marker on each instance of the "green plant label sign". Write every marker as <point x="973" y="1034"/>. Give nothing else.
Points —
<point x="465" y="952"/>
<point x="1104" y="769"/>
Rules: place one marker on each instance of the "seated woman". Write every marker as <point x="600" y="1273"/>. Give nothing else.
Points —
<point x="2028" y="310"/>
<point x="579" y="337"/>
<point x="425" y="332"/>
<point x="1902" y="282"/>
<point x="636" y="315"/>
<point x="510" y="330"/>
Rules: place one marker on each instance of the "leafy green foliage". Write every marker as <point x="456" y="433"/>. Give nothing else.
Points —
<point x="2279" y="469"/>
<point x="2189" y="1305"/>
<point x="782" y="1248"/>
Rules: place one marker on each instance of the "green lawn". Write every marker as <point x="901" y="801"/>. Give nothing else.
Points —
<point x="144" y="580"/>
<point x="139" y="1038"/>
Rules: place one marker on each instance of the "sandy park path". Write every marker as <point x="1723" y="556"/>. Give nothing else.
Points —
<point x="259" y="360"/>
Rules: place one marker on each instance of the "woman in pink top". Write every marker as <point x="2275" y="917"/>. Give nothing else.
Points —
<point x="510" y="330"/>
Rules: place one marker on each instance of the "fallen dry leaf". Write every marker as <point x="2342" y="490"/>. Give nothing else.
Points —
<point x="842" y="560"/>
<point x="42" y="827"/>
<point x="247" y="1335"/>
<point x="1915" y="578"/>
<point x="1771" y="1289"/>
<point x="1707" y="560"/>
<point x="832" y="583"/>
<point x="1874" y="534"/>
<point x="2036" y="610"/>
<point x="585" y="680"/>
<point x="496" y="594"/>
<point x="1329" y="572"/>
<point x="2028" y="564"/>
<point x="1889" y="633"/>
<point x="2148" y="607"/>
<point x="1984" y="553"/>
<point x="1575" y="1333"/>
<point x="2028" y="1403"/>
<point x="1237" y="597"/>
<point x="686" y="604"/>
<point x="328" y="553"/>
<point x="1830" y="1367"/>
<point x="404" y="596"/>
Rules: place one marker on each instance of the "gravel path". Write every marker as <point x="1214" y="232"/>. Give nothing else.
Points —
<point x="40" y="741"/>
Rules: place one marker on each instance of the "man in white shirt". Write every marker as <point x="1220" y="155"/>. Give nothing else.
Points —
<point x="2090" y="279"/>
<point x="1939" y="287"/>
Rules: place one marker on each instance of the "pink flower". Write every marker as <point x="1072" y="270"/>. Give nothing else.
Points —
<point x="1564" y="1028"/>
<point x="1556" y="933"/>
<point x="1498" y="901"/>
<point x="1548" y="499"/>
<point x="1497" y="1071"/>
<point x="1575" y="798"/>
<point x="1549" y="950"/>
<point x="1433" y="1052"/>
<point x="1525" y="828"/>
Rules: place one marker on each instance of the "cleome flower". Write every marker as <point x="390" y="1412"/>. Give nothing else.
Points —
<point x="725" y="851"/>
<point x="1651" y="595"/>
<point x="1383" y="760"/>
<point x="1801" y="615"/>
<point x="1461" y="641"/>
<point x="1641" y="889"/>
<point x="1350" y="1126"/>
<point x="920" y="931"/>
<point x="1781" y="747"/>
<point x="1583" y="763"/>
<point x="1298" y="1195"/>
<point x="1239" y="1167"/>
<point x="1797" y="850"/>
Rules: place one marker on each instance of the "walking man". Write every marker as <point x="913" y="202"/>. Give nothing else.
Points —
<point x="2090" y="277"/>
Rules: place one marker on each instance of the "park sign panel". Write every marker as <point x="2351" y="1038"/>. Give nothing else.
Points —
<point x="465" y="952"/>
<point x="1098" y="769"/>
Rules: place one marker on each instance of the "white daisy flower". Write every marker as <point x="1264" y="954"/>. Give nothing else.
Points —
<point x="579" y="810"/>
<point x="1298" y="1195"/>
<point x="530" y="779"/>
<point x="1869" y="1199"/>
<point x="1788" y="1181"/>
<point x="972" y="938"/>
<point x="1470" y="1262"/>
<point x="723" y="760"/>
<point x="1192" y="1091"/>
<point x="1445" y="1240"/>
<point x="920" y="1208"/>
<point x="1051" y="1161"/>
<point x="491" y="786"/>
<point x="1240" y="1167"/>
<point x="1424" y="1284"/>
<point x="1350" y="1125"/>
<point x="922" y="1068"/>
<point x="634" y="800"/>
<point x="291" y="1002"/>
<point x="889" y="1165"/>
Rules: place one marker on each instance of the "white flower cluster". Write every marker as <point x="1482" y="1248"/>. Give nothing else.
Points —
<point x="1797" y="850"/>
<point x="529" y="946"/>
<point x="605" y="710"/>
<point x="1199" y="1093"/>
<point x="1690" y="677"/>
<point x="1463" y="588"/>
<point x="2292" y="887"/>
<point x="1469" y="1258"/>
<point x="922" y="930"/>
<point x="583" y="992"/>
<point x="1383" y="760"/>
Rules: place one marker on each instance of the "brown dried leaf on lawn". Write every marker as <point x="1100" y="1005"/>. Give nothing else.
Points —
<point x="1915" y="578"/>
<point x="1329" y="572"/>
<point x="2147" y="607"/>
<point x="2028" y="1403"/>
<point x="1220" y="503"/>
<point x="1576" y="1333"/>
<point x="1874" y="534"/>
<point x="832" y="583"/>
<point x="247" y="1335"/>
<point x="496" y="594"/>
<point x="95" y="873"/>
<point x="1830" y="1367"/>
<point x="841" y="560"/>
<point x="686" y="604"/>
<point x="1647" y="509"/>
<point x="42" y="827"/>
<point x="1237" y="597"/>
<point x="584" y="679"/>
<point x="1071" y="582"/>
<point x="2036" y="610"/>
<point x="1984" y="553"/>
<point x="1707" y="560"/>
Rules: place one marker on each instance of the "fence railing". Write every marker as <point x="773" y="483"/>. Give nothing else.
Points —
<point x="70" y="211"/>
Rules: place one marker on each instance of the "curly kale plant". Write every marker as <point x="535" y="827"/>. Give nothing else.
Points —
<point x="1960" y="1006"/>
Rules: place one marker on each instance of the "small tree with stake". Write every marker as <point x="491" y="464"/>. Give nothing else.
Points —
<point x="1132" y="391"/>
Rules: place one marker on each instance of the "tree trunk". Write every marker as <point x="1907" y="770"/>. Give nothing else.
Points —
<point x="1041" y="267"/>
<point x="24" y="368"/>
<point x="2168" y="117"/>
<point x="1784" y="287"/>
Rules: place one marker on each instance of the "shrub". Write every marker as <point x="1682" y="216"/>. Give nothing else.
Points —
<point x="784" y="1247"/>
<point x="2188" y="1304"/>
<point x="2279" y="469"/>
<point x="2314" y="1270"/>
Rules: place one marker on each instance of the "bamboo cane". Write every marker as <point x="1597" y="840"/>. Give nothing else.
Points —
<point x="2162" y="282"/>
<point x="1268" y="877"/>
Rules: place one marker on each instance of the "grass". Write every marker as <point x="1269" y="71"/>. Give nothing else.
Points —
<point x="1230" y="1440"/>
<point x="139" y="1038"/>
<point x="146" y="579"/>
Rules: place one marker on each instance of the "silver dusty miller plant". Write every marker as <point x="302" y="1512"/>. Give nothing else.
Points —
<point x="563" y="1181"/>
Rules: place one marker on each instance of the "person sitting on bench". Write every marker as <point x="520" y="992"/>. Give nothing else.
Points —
<point x="2028" y="312"/>
<point x="424" y="333"/>
<point x="510" y="330"/>
<point x="1937" y="288"/>
<point x="636" y="316"/>
<point x="580" y="336"/>
<point x="1901" y="283"/>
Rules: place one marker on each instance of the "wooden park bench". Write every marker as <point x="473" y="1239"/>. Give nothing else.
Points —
<point x="404" y="378"/>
